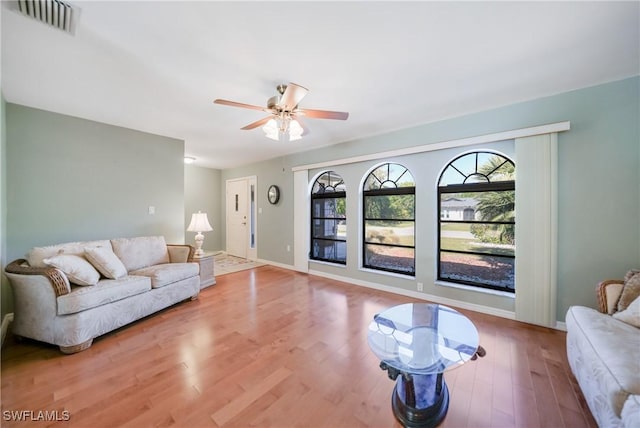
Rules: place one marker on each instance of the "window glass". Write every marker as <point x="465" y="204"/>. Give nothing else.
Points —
<point x="476" y="228"/>
<point x="389" y="219"/>
<point x="329" y="219"/>
<point x="390" y="207"/>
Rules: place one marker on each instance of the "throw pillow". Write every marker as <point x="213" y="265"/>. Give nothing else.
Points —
<point x="630" y="291"/>
<point x="631" y="273"/>
<point x="77" y="268"/>
<point x="631" y="315"/>
<point x="106" y="262"/>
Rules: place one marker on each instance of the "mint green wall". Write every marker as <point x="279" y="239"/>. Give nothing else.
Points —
<point x="5" y="295"/>
<point x="202" y="192"/>
<point x="275" y="222"/>
<point x="599" y="180"/>
<point x="73" y="179"/>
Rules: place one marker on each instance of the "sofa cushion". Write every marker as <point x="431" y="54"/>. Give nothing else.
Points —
<point x="141" y="252"/>
<point x="631" y="412"/>
<point x="631" y="315"/>
<point x="168" y="273"/>
<point x="106" y="262"/>
<point x="105" y="291"/>
<point x="36" y="256"/>
<point x="76" y="268"/>
<point x="612" y="294"/>
<point x="610" y="348"/>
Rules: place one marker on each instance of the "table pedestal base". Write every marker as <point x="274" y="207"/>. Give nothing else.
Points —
<point x="420" y="400"/>
<point x="417" y="343"/>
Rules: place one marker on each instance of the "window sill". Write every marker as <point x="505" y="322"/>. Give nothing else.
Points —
<point x="475" y="289"/>
<point x="322" y="262"/>
<point x="384" y="272"/>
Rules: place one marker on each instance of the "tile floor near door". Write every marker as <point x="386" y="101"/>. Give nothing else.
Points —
<point x="225" y="263"/>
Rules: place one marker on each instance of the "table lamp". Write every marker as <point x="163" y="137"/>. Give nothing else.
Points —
<point x="199" y="223"/>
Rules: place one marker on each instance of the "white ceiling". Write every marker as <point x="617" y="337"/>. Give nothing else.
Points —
<point x="157" y="66"/>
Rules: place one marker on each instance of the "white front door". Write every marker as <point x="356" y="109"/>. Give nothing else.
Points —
<point x="237" y="218"/>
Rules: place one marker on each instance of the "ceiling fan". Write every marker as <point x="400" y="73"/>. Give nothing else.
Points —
<point x="284" y="118"/>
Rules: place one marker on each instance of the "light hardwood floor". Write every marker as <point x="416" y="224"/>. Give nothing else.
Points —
<point x="270" y="347"/>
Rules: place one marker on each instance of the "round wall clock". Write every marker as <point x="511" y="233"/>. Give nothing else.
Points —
<point x="273" y="194"/>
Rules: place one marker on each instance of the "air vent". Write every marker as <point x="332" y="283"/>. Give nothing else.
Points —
<point x="54" y="13"/>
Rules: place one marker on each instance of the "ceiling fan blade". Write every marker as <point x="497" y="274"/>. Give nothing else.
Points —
<point x="242" y="105"/>
<point x="257" y="123"/>
<point x="323" y="114"/>
<point x="292" y="96"/>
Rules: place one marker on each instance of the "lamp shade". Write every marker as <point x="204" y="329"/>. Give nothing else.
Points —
<point x="199" y="223"/>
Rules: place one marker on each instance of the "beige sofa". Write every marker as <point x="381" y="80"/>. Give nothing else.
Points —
<point x="604" y="355"/>
<point x="132" y="278"/>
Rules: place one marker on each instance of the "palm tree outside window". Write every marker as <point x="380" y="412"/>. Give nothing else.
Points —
<point x="476" y="239"/>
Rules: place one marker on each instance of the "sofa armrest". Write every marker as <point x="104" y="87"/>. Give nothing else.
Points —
<point x="609" y="292"/>
<point x="181" y="253"/>
<point x="58" y="282"/>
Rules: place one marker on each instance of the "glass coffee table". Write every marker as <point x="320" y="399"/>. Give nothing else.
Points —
<point x="416" y="343"/>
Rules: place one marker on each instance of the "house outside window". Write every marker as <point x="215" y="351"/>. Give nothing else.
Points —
<point x="329" y="219"/>
<point x="389" y="220"/>
<point x="476" y="237"/>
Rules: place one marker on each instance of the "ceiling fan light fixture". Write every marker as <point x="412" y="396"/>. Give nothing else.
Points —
<point x="295" y="130"/>
<point x="286" y="129"/>
<point x="271" y="130"/>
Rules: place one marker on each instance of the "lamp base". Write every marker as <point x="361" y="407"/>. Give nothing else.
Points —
<point x="199" y="242"/>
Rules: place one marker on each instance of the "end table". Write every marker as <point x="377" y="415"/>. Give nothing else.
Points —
<point x="207" y="276"/>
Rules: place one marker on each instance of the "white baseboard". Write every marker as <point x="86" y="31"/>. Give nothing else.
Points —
<point x="276" y="264"/>
<point x="5" y="325"/>
<point x="422" y="296"/>
<point x="409" y="293"/>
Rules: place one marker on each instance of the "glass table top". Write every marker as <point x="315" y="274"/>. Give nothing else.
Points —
<point x="422" y="338"/>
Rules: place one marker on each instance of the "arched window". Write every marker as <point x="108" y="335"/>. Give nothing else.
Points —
<point x="476" y="239"/>
<point x="329" y="219"/>
<point x="389" y="219"/>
